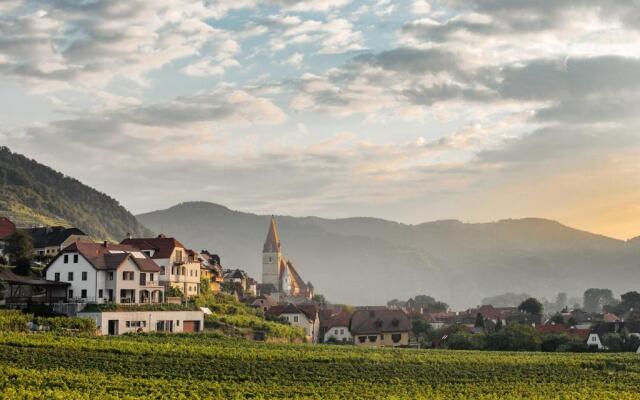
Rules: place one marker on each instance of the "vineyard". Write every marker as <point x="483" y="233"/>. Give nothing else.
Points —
<point x="34" y="366"/>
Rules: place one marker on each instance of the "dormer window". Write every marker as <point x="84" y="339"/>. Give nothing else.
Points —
<point x="395" y="323"/>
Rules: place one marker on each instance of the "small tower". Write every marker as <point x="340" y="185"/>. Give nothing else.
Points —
<point x="271" y="256"/>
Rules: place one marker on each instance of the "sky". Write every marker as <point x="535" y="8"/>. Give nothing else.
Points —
<point x="411" y="110"/>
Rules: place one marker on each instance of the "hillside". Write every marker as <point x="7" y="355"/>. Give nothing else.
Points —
<point x="33" y="194"/>
<point x="369" y="261"/>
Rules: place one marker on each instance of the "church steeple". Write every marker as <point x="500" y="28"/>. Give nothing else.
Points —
<point x="272" y="244"/>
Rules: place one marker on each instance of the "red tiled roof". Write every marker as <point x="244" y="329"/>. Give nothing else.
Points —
<point x="163" y="246"/>
<point x="341" y="318"/>
<point x="109" y="256"/>
<point x="7" y="228"/>
<point x="559" y="328"/>
<point x="609" y="317"/>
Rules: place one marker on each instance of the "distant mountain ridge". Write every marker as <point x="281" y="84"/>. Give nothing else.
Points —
<point x="34" y="194"/>
<point x="369" y="260"/>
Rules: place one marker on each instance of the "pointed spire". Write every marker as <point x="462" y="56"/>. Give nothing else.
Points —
<point x="272" y="244"/>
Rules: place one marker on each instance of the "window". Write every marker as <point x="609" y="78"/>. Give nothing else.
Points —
<point x="110" y="275"/>
<point x="362" y="339"/>
<point x="66" y="259"/>
<point x="83" y="293"/>
<point x="136" y="324"/>
<point x="396" y="337"/>
<point x="295" y="318"/>
<point x="75" y="258"/>
<point x="110" y="292"/>
<point x="178" y="256"/>
<point x="70" y="276"/>
<point x="100" y="293"/>
<point x="128" y="275"/>
<point x="162" y="271"/>
<point x="335" y="331"/>
<point x="57" y="277"/>
<point x="342" y="331"/>
<point x="177" y="322"/>
<point x="373" y="338"/>
<point x="151" y="277"/>
<point x="71" y="293"/>
<point x="382" y="336"/>
<point x="184" y="271"/>
<point x="84" y="275"/>
<point x="395" y="323"/>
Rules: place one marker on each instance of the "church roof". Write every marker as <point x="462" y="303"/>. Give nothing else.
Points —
<point x="272" y="244"/>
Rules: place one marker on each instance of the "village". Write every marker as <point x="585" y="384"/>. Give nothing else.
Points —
<point x="148" y="284"/>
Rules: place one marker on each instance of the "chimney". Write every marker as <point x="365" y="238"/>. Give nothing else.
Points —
<point x="105" y="244"/>
<point x="129" y="235"/>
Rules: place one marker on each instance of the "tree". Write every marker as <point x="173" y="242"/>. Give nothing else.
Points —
<point x="175" y="292"/>
<point x="479" y="321"/>
<point x="19" y="245"/>
<point x="531" y="306"/>
<point x="557" y="318"/>
<point x="320" y="300"/>
<point x="23" y="266"/>
<point x="205" y="285"/>
<point x="613" y="342"/>
<point x="595" y="299"/>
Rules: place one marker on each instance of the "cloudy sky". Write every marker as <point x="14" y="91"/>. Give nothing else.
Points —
<point x="407" y="110"/>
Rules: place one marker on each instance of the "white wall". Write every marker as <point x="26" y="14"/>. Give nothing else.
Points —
<point x="150" y="319"/>
<point x="310" y="327"/>
<point x="339" y="333"/>
<point x="77" y="284"/>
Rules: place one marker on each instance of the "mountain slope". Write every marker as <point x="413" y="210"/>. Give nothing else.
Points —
<point x="32" y="193"/>
<point x="369" y="261"/>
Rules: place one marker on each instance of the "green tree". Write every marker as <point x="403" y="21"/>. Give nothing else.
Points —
<point x="205" y="285"/>
<point x="613" y="341"/>
<point x="595" y="299"/>
<point x="557" y="318"/>
<point x="479" y="321"/>
<point x="531" y="306"/>
<point x="19" y="245"/>
<point x="320" y="300"/>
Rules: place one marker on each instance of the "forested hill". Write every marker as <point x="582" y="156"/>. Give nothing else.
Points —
<point x="369" y="261"/>
<point x="32" y="193"/>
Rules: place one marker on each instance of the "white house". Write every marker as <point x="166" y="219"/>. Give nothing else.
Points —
<point x="304" y="316"/>
<point x="120" y="322"/>
<point x="101" y="273"/>
<point x="179" y="268"/>
<point x="335" y="327"/>
<point x="594" y="341"/>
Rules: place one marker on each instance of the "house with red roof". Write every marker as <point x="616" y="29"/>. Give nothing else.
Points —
<point x="7" y="228"/>
<point x="106" y="273"/>
<point x="334" y="325"/>
<point x="179" y="266"/>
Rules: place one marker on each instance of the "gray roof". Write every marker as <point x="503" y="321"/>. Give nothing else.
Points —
<point x="379" y="321"/>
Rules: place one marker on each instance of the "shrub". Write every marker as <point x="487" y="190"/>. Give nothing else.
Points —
<point x="14" y="321"/>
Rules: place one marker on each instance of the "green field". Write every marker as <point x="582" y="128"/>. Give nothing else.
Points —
<point x="64" y="367"/>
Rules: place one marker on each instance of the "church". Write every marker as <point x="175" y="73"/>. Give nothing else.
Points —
<point x="280" y="279"/>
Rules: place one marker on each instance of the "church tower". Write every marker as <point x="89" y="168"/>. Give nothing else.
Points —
<point x="271" y="256"/>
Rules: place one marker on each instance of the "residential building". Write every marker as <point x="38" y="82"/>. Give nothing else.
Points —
<point x="279" y="276"/>
<point x="121" y="322"/>
<point x="49" y="240"/>
<point x="211" y="270"/>
<point x="241" y="281"/>
<point x="7" y="228"/>
<point x="380" y="328"/>
<point x="264" y="303"/>
<point x="304" y="316"/>
<point x="594" y="341"/>
<point x="178" y="269"/>
<point x="334" y="326"/>
<point x="101" y="273"/>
